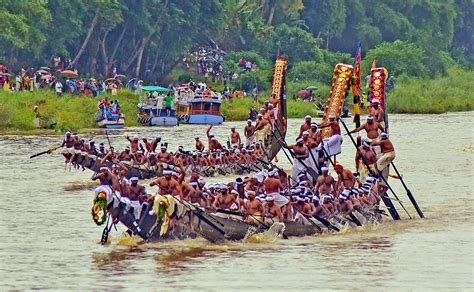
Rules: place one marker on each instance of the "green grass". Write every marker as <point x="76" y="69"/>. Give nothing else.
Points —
<point x="68" y="112"/>
<point x="449" y="93"/>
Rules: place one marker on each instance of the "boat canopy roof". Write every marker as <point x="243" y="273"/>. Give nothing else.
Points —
<point x="156" y="88"/>
<point x="212" y="100"/>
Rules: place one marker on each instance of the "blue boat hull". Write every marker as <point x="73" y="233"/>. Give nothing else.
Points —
<point x="205" y="119"/>
<point x="164" y="121"/>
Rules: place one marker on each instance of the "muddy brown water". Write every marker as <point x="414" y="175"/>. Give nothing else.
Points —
<point x="49" y="241"/>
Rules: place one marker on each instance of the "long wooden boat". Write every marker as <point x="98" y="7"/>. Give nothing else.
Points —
<point x="211" y="226"/>
<point x="94" y="163"/>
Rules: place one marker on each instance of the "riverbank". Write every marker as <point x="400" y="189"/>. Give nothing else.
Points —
<point x="450" y="93"/>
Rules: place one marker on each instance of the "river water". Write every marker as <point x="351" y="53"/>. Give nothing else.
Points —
<point x="49" y="241"/>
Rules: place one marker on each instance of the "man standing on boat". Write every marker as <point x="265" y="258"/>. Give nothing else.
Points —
<point x="306" y="126"/>
<point x="260" y="128"/>
<point x="365" y="152"/>
<point x="301" y="158"/>
<point x="168" y="103"/>
<point x="371" y="127"/>
<point x="388" y="152"/>
<point x="377" y="112"/>
<point x="249" y="132"/>
<point x="234" y="137"/>
<point x="273" y="186"/>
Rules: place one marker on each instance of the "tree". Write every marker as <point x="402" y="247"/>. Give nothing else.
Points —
<point x="398" y="57"/>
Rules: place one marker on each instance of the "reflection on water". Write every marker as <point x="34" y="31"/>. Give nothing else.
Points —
<point x="50" y="242"/>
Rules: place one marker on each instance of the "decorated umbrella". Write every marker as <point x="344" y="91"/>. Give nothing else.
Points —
<point x="45" y="68"/>
<point x="303" y="92"/>
<point x="42" y="71"/>
<point x="69" y="73"/>
<point x="312" y="87"/>
<point x="46" y="76"/>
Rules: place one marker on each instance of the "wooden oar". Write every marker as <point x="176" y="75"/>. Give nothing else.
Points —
<point x="388" y="203"/>
<point x="197" y="212"/>
<point x="241" y="214"/>
<point x="409" y="194"/>
<point x="45" y="152"/>
<point x="326" y="223"/>
<point x="354" y="219"/>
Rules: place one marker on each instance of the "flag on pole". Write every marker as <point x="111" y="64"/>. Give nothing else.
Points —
<point x="357" y="72"/>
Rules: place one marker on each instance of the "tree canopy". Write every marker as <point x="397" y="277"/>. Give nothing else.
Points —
<point x="146" y="38"/>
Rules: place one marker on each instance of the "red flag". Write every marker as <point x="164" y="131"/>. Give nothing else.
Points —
<point x="278" y="54"/>
<point x="356" y="73"/>
<point x="374" y="65"/>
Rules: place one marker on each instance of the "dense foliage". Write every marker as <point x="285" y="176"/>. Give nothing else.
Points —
<point x="147" y="38"/>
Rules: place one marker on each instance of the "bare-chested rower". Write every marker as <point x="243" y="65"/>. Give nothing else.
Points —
<point x="325" y="184"/>
<point x="388" y="152"/>
<point x="107" y="178"/>
<point x="371" y="127"/>
<point x="345" y="177"/>
<point x="249" y="132"/>
<point x="167" y="184"/>
<point x="234" y="137"/>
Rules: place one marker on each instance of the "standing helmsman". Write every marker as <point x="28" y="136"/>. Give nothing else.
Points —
<point x="388" y="152"/>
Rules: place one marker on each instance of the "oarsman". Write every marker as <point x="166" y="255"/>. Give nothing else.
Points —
<point x="333" y="124"/>
<point x="91" y="149"/>
<point x="199" y="145"/>
<point x="69" y="143"/>
<point x="371" y="127"/>
<point x="224" y="200"/>
<point x="271" y="211"/>
<point x="109" y="156"/>
<point x="249" y="132"/>
<point x="133" y="143"/>
<point x="125" y="155"/>
<point x="147" y="146"/>
<point x="107" y="178"/>
<point x="119" y="170"/>
<point x="325" y="183"/>
<point x="188" y="190"/>
<point x="167" y="185"/>
<point x="139" y="158"/>
<point x="377" y="112"/>
<point x="102" y="151"/>
<point x="274" y="100"/>
<point x="365" y="152"/>
<point x="273" y="187"/>
<point x="301" y="208"/>
<point x="234" y="137"/>
<point x="210" y="135"/>
<point x="133" y="190"/>
<point x="345" y="206"/>
<point x="155" y="143"/>
<point x="163" y="156"/>
<point x="260" y="128"/>
<point x="253" y="207"/>
<point x="345" y="177"/>
<point x="196" y="196"/>
<point x="388" y="152"/>
<point x="306" y="126"/>
<point x="319" y="209"/>
<point x="300" y="160"/>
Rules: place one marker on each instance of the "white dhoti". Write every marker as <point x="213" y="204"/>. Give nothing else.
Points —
<point x="332" y="145"/>
<point x="249" y="140"/>
<point x="313" y="158"/>
<point x="299" y="218"/>
<point x="280" y="200"/>
<point x="299" y="167"/>
<point x="137" y="208"/>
